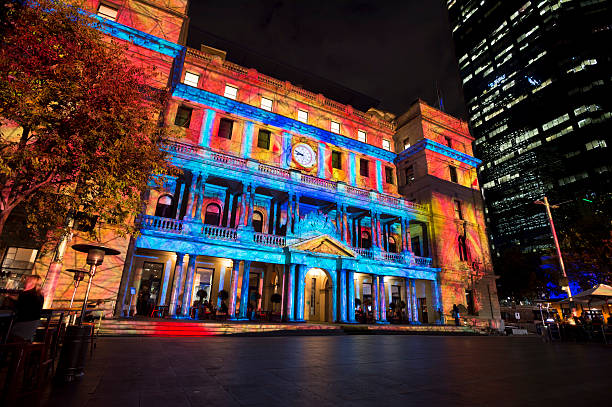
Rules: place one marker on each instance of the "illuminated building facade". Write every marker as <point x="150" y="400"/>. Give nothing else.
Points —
<point x="536" y="79"/>
<point x="283" y="191"/>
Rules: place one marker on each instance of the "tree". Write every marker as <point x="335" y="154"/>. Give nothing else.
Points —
<point x="80" y="122"/>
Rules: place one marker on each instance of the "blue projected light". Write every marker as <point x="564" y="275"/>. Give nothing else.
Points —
<point x="532" y="81"/>
<point x="431" y="145"/>
<point x="497" y="81"/>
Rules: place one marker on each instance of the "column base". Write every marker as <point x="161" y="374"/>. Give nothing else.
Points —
<point x="238" y="319"/>
<point x="298" y="320"/>
<point x="383" y="322"/>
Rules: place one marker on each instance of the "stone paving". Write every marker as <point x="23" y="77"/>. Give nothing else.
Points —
<point x="351" y="370"/>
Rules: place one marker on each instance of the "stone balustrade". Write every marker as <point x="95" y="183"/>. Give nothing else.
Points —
<point x="218" y="232"/>
<point x="422" y="261"/>
<point x="270" y="240"/>
<point x="321" y="182"/>
<point x="162" y="224"/>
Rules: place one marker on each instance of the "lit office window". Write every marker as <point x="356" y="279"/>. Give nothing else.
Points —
<point x="266" y="104"/>
<point x="335" y="127"/>
<point x="191" y="79"/>
<point x="303" y="116"/>
<point x="362" y="136"/>
<point x="231" y="92"/>
<point x="386" y="145"/>
<point x="107" y="12"/>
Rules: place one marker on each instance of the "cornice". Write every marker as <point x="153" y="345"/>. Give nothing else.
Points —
<point x="427" y="144"/>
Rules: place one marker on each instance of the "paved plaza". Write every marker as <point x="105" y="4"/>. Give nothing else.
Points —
<point x="360" y="370"/>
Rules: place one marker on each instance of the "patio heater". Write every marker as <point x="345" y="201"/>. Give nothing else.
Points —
<point x="78" y="337"/>
<point x="79" y="275"/>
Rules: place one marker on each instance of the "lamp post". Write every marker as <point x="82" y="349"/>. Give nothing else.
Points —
<point x="95" y="257"/>
<point x="554" y="233"/>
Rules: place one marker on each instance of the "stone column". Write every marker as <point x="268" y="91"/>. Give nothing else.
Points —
<point x="350" y="279"/>
<point x="191" y="198"/>
<point x="297" y="208"/>
<point x="271" y="218"/>
<point x="243" y="208"/>
<point x="250" y="203"/>
<point x="244" y="291"/>
<point x="289" y="292"/>
<point x="345" y="226"/>
<point x="378" y="231"/>
<point x="383" y="300"/>
<point x="408" y="238"/>
<point x="437" y="297"/>
<point x="231" y="309"/>
<point x="179" y="202"/>
<point x="222" y="271"/>
<point x="415" y="312"/>
<point x="373" y="233"/>
<point x="403" y="233"/>
<point x="341" y="295"/>
<point x="408" y="300"/>
<point x="375" y="301"/>
<point x="290" y="214"/>
<point x="358" y="237"/>
<point x="277" y="222"/>
<point x="202" y="186"/>
<point x="260" y="290"/>
<point x="230" y="203"/>
<point x="187" y="291"/>
<point x="300" y="292"/>
<point x="176" y="284"/>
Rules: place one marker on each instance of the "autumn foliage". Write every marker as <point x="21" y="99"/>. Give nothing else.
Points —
<point x="80" y="128"/>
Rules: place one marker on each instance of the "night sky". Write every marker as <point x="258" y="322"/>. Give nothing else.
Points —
<point x="392" y="51"/>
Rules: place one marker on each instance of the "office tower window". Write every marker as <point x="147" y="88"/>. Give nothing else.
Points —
<point x="231" y="92"/>
<point x="183" y="116"/>
<point x="191" y="79"/>
<point x="225" y="128"/>
<point x="263" y="139"/>
<point x="364" y="168"/>
<point x="336" y="160"/>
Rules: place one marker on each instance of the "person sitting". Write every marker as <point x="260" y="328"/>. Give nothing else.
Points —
<point x="28" y="309"/>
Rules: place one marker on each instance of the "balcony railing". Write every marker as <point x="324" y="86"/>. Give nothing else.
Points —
<point x="270" y="240"/>
<point x="173" y="226"/>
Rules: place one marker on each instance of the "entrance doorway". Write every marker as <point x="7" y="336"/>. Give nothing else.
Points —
<point x="150" y="283"/>
<point x="318" y="296"/>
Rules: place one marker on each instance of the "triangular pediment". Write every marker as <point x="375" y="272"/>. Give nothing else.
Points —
<point x="324" y="244"/>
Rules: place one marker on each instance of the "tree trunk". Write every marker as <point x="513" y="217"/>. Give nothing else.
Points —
<point x="3" y="217"/>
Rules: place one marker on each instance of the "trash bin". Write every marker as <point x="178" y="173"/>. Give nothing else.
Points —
<point x="74" y="352"/>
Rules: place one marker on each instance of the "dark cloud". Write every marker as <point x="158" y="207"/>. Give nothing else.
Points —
<point x="393" y="51"/>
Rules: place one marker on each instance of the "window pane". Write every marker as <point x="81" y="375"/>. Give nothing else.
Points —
<point x="107" y="12"/>
<point x="336" y="160"/>
<point x="266" y="104"/>
<point x="335" y="127"/>
<point x="453" y="173"/>
<point x="263" y="139"/>
<point x="364" y="169"/>
<point x="303" y="116"/>
<point x="386" y="145"/>
<point x="230" y="92"/>
<point x="361" y="136"/>
<point x="225" y="128"/>
<point x="213" y="215"/>
<point x="183" y="116"/>
<point x="389" y="175"/>
<point x="191" y="79"/>
<point x="409" y="172"/>
<point x="406" y="145"/>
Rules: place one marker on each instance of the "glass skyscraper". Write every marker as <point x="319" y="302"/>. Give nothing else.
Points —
<point x="536" y="79"/>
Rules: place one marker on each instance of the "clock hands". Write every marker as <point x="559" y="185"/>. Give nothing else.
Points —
<point x="298" y="153"/>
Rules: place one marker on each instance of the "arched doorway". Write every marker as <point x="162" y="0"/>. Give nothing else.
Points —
<point x="318" y="296"/>
<point x="164" y="206"/>
<point x="212" y="215"/>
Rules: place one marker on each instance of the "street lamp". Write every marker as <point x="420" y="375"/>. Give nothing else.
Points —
<point x="554" y="233"/>
<point x="95" y="257"/>
<point x="79" y="275"/>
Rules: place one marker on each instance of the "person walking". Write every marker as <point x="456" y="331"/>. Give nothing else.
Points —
<point x="456" y="314"/>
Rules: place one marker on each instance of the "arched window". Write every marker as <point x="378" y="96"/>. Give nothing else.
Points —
<point x="164" y="204"/>
<point x="366" y="240"/>
<point x="257" y="221"/>
<point x="213" y="214"/>
<point x="392" y="245"/>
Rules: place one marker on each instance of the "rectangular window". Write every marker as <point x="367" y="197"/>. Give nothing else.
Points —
<point x="389" y="175"/>
<point x="107" y="12"/>
<point x="337" y="160"/>
<point x="386" y="145"/>
<point x="263" y="139"/>
<point x="453" y="173"/>
<point x="364" y="169"/>
<point x="335" y="127"/>
<point x="183" y="116"/>
<point x="463" y="251"/>
<point x="191" y="79"/>
<point x="225" y="128"/>
<point x="266" y="104"/>
<point x="458" y="211"/>
<point x="448" y="141"/>
<point x="406" y="145"/>
<point x="302" y="116"/>
<point x="362" y="136"/>
<point x="409" y="172"/>
<point x="231" y="92"/>
<point x="18" y="261"/>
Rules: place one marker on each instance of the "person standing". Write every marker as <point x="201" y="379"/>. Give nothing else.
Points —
<point x="28" y="309"/>
<point x="456" y="314"/>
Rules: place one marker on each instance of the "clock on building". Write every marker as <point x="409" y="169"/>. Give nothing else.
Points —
<point x="304" y="155"/>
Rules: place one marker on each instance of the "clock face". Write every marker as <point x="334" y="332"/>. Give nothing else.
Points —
<point x="304" y="155"/>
